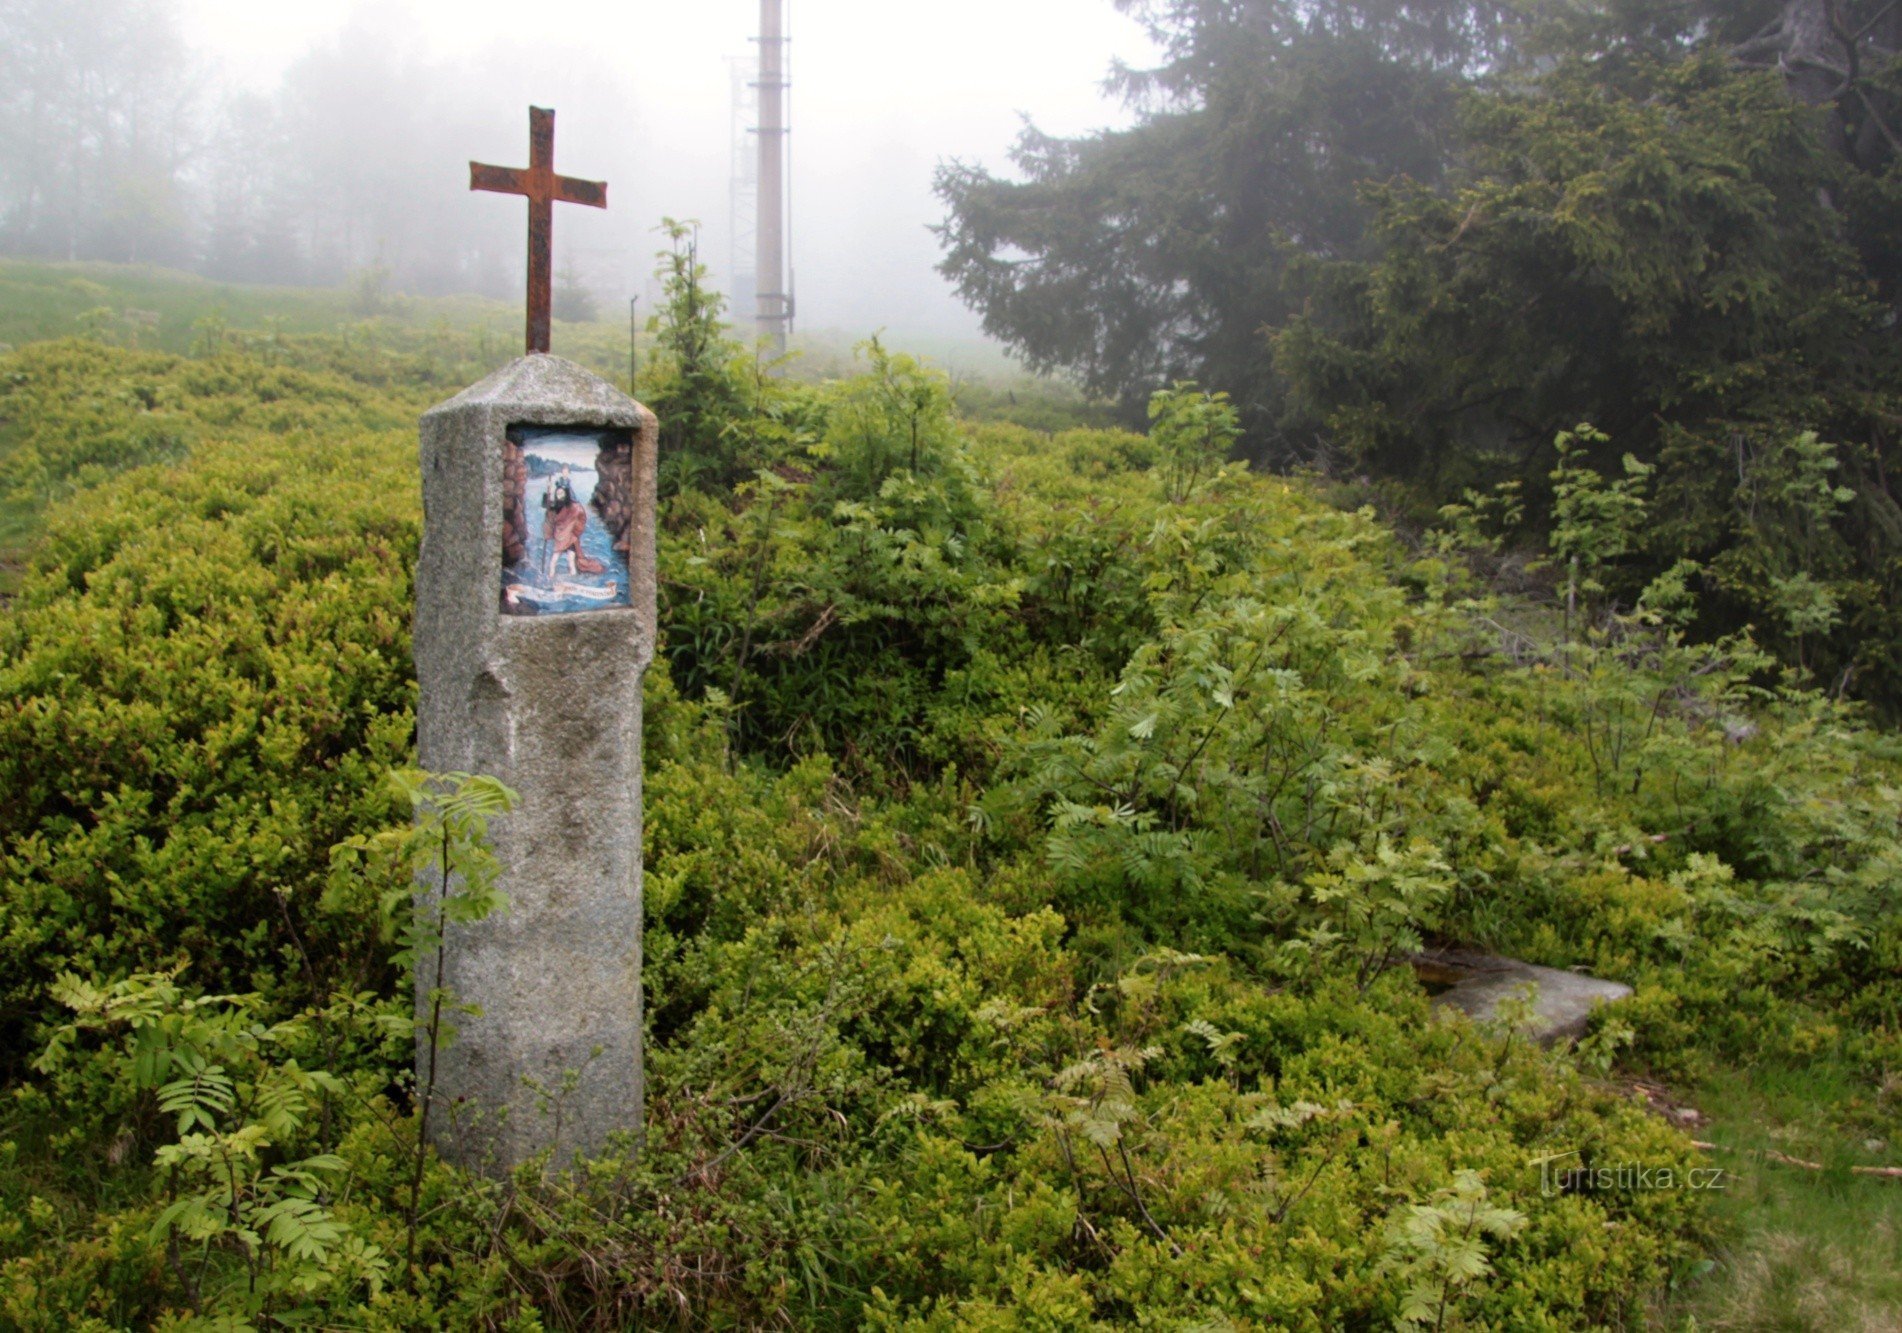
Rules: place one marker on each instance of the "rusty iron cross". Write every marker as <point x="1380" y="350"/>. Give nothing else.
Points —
<point x="544" y="189"/>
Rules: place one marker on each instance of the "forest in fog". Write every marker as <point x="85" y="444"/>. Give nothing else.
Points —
<point x="1416" y="240"/>
<point x="127" y="145"/>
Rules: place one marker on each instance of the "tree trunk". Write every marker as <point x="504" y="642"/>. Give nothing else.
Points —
<point x="1825" y="51"/>
<point x="1810" y="57"/>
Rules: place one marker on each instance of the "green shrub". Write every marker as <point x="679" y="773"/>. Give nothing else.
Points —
<point x="1027" y="853"/>
<point x="205" y="673"/>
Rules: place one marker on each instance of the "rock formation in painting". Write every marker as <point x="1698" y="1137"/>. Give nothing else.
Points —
<point x="614" y="489"/>
<point x="514" y="505"/>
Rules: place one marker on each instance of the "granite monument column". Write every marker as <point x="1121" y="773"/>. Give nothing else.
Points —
<point x="534" y="624"/>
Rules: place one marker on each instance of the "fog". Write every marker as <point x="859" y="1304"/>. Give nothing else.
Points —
<point x="320" y="143"/>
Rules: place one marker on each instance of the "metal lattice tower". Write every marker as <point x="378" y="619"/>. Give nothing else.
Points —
<point x="743" y="190"/>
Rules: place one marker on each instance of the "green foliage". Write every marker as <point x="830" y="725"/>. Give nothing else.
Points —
<point x="1438" y="1248"/>
<point x="1594" y="522"/>
<point x="248" y="1227"/>
<point x="1481" y="521"/>
<point x="1138" y="257"/>
<point x="206" y="671"/>
<point x="894" y="418"/>
<point x="1029" y="858"/>
<point x="694" y="384"/>
<point x="1417" y="241"/>
<point x="1368" y="907"/>
<point x="445" y="845"/>
<point x="445" y="848"/>
<point x="871" y="559"/>
<point x="1649" y="245"/>
<point x="1194" y="432"/>
<point x="1025" y="400"/>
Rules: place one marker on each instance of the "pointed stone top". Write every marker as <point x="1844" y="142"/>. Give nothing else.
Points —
<point x="550" y="390"/>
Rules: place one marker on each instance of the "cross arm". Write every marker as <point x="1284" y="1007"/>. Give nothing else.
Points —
<point x="498" y="180"/>
<point x="594" y="194"/>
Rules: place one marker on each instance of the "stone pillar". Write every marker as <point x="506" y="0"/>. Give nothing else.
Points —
<point x="534" y="623"/>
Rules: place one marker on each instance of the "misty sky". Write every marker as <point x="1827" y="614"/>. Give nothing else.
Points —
<point x="883" y="89"/>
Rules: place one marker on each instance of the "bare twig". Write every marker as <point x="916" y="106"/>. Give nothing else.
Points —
<point x="1135" y="1196"/>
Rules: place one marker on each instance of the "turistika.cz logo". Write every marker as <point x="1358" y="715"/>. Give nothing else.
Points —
<point x="1556" y="1177"/>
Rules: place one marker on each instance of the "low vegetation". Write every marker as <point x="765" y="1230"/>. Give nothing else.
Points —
<point x="1037" y="825"/>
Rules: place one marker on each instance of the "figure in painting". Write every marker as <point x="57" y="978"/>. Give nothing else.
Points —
<point x="561" y="490"/>
<point x="564" y="519"/>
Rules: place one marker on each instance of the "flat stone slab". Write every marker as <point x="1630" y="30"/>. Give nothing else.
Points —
<point x="1477" y="983"/>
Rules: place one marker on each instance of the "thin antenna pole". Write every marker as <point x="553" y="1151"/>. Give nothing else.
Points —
<point x="792" y="272"/>
<point x="771" y="266"/>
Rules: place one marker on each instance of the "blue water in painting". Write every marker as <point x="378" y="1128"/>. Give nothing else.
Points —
<point x="534" y="592"/>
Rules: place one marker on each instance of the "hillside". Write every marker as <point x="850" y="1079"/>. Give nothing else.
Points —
<point x="1037" y="826"/>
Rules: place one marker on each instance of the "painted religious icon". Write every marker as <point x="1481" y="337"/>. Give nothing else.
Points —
<point x="567" y="511"/>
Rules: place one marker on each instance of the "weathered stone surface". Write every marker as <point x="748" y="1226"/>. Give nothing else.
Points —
<point x="552" y="706"/>
<point x="1476" y="983"/>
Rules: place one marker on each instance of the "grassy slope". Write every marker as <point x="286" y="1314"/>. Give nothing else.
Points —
<point x="166" y="310"/>
<point x="1804" y="1249"/>
<point x="41" y="300"/>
